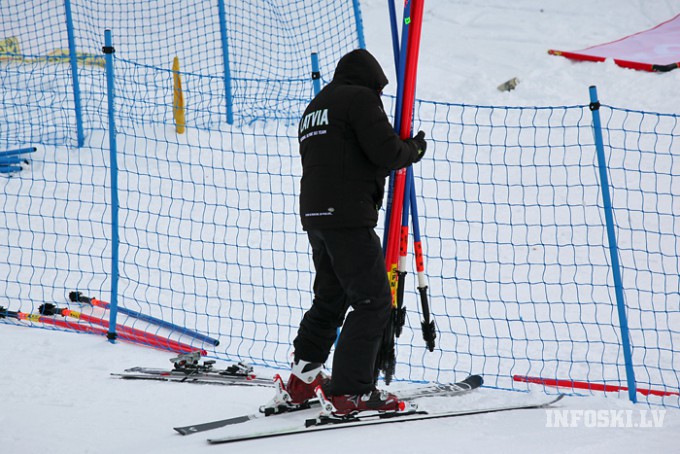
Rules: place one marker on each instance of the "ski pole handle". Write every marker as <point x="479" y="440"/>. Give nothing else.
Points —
<point x="429" y="332"/>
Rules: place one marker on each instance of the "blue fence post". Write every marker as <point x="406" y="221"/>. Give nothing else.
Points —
<point x="113" y="309"/>
<point x="222" y="11"/>
<point x="316" y="74"/>
<point x="613" y="248"/>
<point x="17" y="151"/>
<point x="74" y="73"/>
<point x="359" y="24"/>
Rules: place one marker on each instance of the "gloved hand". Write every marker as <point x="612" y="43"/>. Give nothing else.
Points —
<point x="421" y="146"/>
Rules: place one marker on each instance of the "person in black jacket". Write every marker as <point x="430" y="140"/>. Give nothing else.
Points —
<point x="348" y="148"/>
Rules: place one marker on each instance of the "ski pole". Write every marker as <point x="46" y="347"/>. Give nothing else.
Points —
<point x="427" y="325"/>
<point x="78" y="297"/>
<point x="149" y="338"/>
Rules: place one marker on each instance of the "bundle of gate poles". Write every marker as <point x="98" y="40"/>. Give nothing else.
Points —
<point x="93" y="324"/>
<point x="402" y="195"/>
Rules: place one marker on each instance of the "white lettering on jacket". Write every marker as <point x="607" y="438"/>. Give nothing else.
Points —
<point x="312" y="119"/>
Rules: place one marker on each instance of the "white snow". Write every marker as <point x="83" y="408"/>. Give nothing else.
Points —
<point x="59" y="398"/>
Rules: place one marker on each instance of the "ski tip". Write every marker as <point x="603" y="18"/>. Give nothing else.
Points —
<point x="475" y="381"/>
<point x="558" y="398"/>
<point x="182" y="430"/>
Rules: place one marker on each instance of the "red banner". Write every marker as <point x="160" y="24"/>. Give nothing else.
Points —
<point x="656" y="49"/>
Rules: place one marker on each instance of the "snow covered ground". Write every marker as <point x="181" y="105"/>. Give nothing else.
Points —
<point x="58" y="397"/>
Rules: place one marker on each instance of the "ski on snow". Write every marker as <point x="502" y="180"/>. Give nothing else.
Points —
<point x="188" y="369"/>
<point x="434" y="390"/>
<point x="211" y="378"/>
<point x="319" y="424"/>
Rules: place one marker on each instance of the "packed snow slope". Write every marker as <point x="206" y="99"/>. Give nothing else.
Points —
<point x="59" y="398"/>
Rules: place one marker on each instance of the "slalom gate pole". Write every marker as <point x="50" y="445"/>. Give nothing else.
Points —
<point x="78" y="297"/>
<point x="395" y="34"/>
<point x="400" y="68"/>
<point x="589" y="386"/>
<point x="408" y="61"/>
<point x="386" y="360"/>
<point x="405" y="118"/>
<point x="395" y="207"/>
<point x="37" y="318"/>
<point x="428" y="329"/>
<point x="147" y="338"/>
<point x="414" y="22"/>
<point x="388" y="212"/>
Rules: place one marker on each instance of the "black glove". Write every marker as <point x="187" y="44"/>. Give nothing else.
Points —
<point x="420" y="145"/>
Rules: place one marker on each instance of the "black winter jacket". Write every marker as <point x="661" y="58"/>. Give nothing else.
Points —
<point x="348" y="148"/>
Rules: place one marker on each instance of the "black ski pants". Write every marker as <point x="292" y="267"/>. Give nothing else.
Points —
<point x="350" y="272"/>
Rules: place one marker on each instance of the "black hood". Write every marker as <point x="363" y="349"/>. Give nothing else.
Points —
<point x="359" y="67"/>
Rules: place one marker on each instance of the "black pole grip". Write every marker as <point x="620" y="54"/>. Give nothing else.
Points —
<point x="78" y="297"/>
<point x="48" y="309"/>
<point x="400" y="312"/>
<point x="429" y="334"/>
<point x="5" y="313"/>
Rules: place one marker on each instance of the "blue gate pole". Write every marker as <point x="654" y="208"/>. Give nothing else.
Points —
<point x="613" y="248"/>
<point x="222" y="11"/>
<point x="74" y="73"/>
<point x="316" y="74"/>
<point x="359" y="24"/>
<point x="395" y="33"/>
<point x="113" y="305"/>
